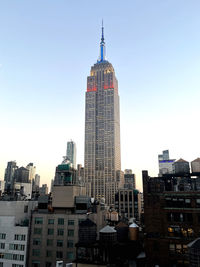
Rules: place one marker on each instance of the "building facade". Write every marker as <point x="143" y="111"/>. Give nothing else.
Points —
<point x="71" y="152"/>
<point x="165" y="163"/>
<point x="14" y="229"/>
<point x="9" y="175"/>
<point x="171" y="217"/>
<point x="102" y="130"/>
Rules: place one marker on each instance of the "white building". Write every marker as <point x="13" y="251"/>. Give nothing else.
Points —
<point x="14" y="222"/>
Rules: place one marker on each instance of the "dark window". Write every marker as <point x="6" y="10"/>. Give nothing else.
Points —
<point x="60" y="221"/>
<point x="60" y="232"/>
<point x="49" y="242"/>
<point x="38" y="220"/>
<point x="59" y="254"/>
<point x="37" y="231"/>
<point x="50" y="221"/>
<point x="59" y="243"/>
<point x="50" y="231"/>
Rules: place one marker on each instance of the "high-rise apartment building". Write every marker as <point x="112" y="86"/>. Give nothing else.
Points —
<point x="71" y="152"/>
<point x="102" y="130"/>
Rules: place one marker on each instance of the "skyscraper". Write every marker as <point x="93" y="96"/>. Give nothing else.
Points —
<point x="102" y="130"/>
<point x="71" y="152"/>
<point x="9" y="175"/>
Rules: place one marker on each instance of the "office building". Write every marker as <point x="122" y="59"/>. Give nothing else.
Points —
<point x="129" y="179"/>
<point x="165" y="163"/>
<point x="102" y="130"/>
<point x="55" y="225"/>
<point x="9" y="175"/>
<point x="128" y="203"/>
<point x="21" y="175"/>
<point x="32" y="170"/>
<point x="71" y="153"/>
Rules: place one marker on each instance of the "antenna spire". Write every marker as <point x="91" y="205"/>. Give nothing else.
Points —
<point x="102" y="45"/>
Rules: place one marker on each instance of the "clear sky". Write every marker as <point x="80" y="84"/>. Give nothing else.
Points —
<point x="46" y="50"/>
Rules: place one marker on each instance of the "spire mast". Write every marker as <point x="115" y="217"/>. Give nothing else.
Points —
<point x="102" y="45"/>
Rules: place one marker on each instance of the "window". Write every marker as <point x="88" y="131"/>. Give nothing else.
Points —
<point x="17" y="247"/>
<point x="60" y="232"/>
<point x="36" y="241"/>
<point x="36" y="252"/>
<point x="60" y="221"/>
<point x="16" y="265"/>
<point x="35" y="263"/>
<point x="49" y="253"/>
<point x="37" y="231"/>
<point x="22" y="237"/>
<point x="50" y="221"/>
<point x="59" y="254"/>
<point x="70" y="244"/>
<point x="2" y="246"/>
<point x="70" y="255"/>
<point x="59" y="243"/>
<point x="50" y="231"/>
<point x="49" y="242"/>
<point x="38" y="220"/>
<point x="1" y="264"/>
<point x="70" y="232"/>
<point x="25" y="209"/>
<point x="70" y="222"/>
<point x="48" y="264"/>
<point x="2" y="236"/>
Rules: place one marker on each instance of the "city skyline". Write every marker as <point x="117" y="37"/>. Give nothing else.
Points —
<point x="47" y="50"/>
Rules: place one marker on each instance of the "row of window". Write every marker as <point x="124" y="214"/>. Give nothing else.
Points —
<point x="13" y="265"/>
<point x="10" y="256"/>
<point x="17" y="237"/>
<point x="13" y="247"/>
<point x="177" y="231"/>
<point x="50" y="231"/>
<point x="60" y="243"/>
<point x="60" y="221"/>
<point x="49" y="253"/>
<point x="181" y="202"/>
<point x="17" y="247"/>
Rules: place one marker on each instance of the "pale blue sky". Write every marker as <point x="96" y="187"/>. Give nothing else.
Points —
<point x="46" y="50"/>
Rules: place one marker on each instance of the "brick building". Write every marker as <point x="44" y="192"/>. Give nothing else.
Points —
<point x="171" y="217"/>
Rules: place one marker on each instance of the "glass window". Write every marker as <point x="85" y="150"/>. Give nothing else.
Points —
<point x="2" y="245"/>
<point x="70" y="232"/>
<point x="2" y="236"/>
<point x="37" y="231"/>
<point x="36" y="241"/>
<point x="70" y="255"/>
<point x="50" y="221"/>
<point x="59" y="254"/>
<point x="36" y="252"/>
<point x="61" y="221"/>
<point x="49" y="242"/>
<point x="60" y="232"/>
<point x="49" y="253"/>
<point x="70" y="244"/>
<point x="70" y="222"/>
<point x="50" y="231"/>
<point x="59" y="243"/>
<point x="38" y="220"/>
<point x="35" y="263"/>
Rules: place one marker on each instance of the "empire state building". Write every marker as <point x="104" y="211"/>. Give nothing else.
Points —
<point x="102" y="161"/>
